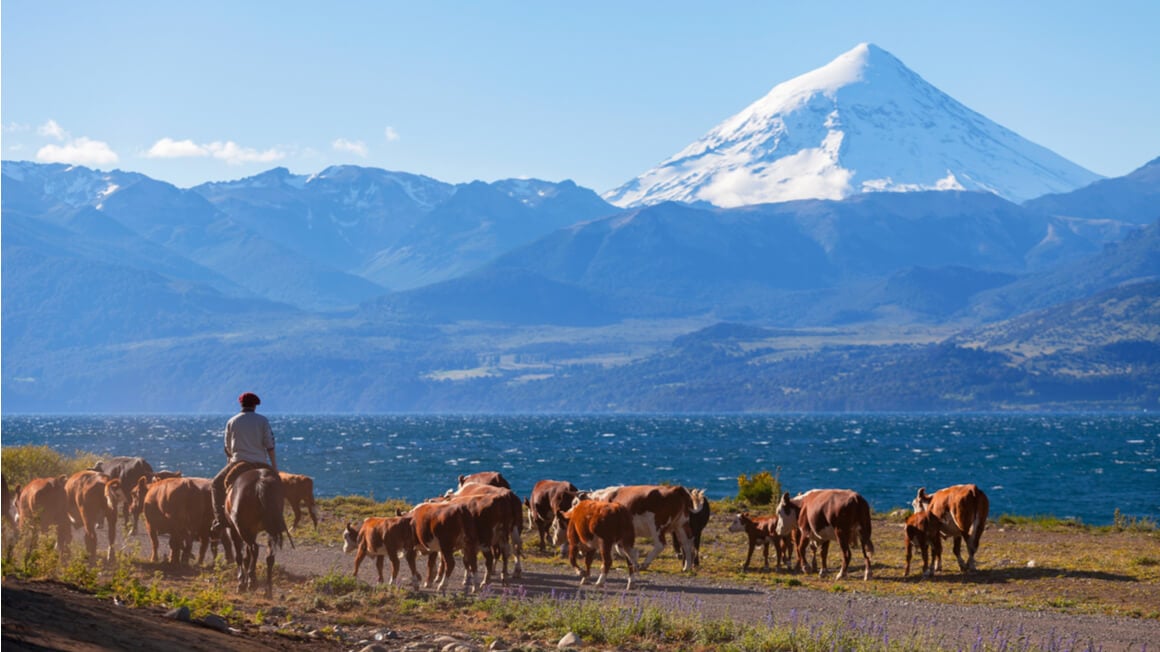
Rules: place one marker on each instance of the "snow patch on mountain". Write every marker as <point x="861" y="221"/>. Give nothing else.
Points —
<point x="862" y="123"/>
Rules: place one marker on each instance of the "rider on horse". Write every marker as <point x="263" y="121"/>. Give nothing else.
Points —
<point x="249" y="441"/>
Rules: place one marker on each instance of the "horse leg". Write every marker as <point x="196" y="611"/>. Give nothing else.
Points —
<point x="270" y="570"/>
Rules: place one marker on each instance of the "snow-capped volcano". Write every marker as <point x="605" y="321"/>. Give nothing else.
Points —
<point x="862" y="123"/>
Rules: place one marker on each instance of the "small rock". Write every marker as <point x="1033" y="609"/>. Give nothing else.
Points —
<point x="570" y="640"/>
<point x="497" y="645"/>
<point x="387" y="635"/>
<point x="180" y="613"/>
<point x="375" y="647"/>
<point x="445" y="640"/>
<point x="1031" y="564"/>
<point x="214" y="621"/>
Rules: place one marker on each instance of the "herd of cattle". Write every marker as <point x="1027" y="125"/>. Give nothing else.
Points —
<point x="483" y="516"/>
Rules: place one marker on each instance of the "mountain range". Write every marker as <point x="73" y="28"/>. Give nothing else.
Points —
<point x="1028" y="283"/>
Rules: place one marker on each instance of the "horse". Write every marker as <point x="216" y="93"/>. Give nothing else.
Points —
<point x="254" y="503"/>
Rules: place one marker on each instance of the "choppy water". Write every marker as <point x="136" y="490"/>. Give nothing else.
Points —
<point x="1082" y="466"/>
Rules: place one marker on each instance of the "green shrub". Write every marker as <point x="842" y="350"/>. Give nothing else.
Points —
<point x="758" y="489"/>
<point x="23" y="463"/>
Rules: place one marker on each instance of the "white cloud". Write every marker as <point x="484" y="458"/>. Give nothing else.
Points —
<point x="169" y="148"/>
<point x="52" y="130"/>
<point x="15" y="128"/>
<point x="234" y="154"/>
<point x="353" y="146"/>
<point x="81" y="151"/>
<point x="390" y="134"/>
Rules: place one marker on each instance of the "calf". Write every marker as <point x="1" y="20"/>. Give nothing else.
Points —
<point x="922" y="530"/>
<point x="548" y="497"/>
<point x="597" y="525"/>
<point x="441" y="528"/>
<point x="763" y="530"/>
<point x="94" y="498"/>
<point x="656" y="511"/>
<point x="391" y="537"/>
<point x="962" y="514"/>
<point x="493" y="478"/>
<point x="41" y="504"/>
<point x="825" y="515"/>
<point x="299" y="493"/>
<point x="129" y="470"/>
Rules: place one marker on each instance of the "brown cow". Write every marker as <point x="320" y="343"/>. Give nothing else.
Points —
<point x="656" y="511"/>
<point x="493" y="478"/>
<point x="129" y="470"/>
<point x="922" y="530"/>
<point x="41" y="504"/>
<point x="441" y="528"/>
<point x="378" y="537"/>
<point x="299" y="494"/>
<point x="825" y="515"/>
<point x="597" y="525"/>
<point x="179" y="507"/>
<point x="498" y="520"/>
<point x="763" y="530"/>
<point x="165" y="475"/>
<point x="92" y="498"/>
<point x="962" y="514"/>
<point x="548" y="497"/>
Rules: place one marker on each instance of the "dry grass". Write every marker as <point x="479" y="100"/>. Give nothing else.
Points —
<point x="1022" y="562"/>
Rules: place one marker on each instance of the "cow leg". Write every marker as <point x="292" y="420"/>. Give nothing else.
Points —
<point x="393" y="555"/>
<point x="431" y="559"/>
<point x="90" y="537"/>
<point x="589" y="557"/>
<point x="765" y="553"/>
<point x="605" y="561"/>
<point x="297" y="507"/>
<point x="313" y="513"/>
<point x="844" y="547"/>
<point x="684" y="534"/>
<point x="649" y="531"/>
<point x="409" y="554"/>
<point x="379" y="566"/>
<point x="469" y="568"/>
<point x="825" y="554"/>
<point x="153" y="541"/>
<point x="517" y="543"/>
<point x="749" y="555"/>
<point x="111" y="524"/>
<point x="958" y="543"/>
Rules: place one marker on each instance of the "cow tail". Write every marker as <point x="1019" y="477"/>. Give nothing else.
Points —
<point x="867" y="521"/>
<point x="983" y="506"/>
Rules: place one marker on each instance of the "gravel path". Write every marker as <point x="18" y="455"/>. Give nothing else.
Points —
<point x="927" y="624"/>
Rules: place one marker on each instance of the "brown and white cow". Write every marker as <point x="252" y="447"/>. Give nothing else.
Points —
<point x="441" y="528"/>
<point x="656" y="510"/>
<point x="94" y="498"/>
<point x="41" y="504"/>
<point x="493" y="478"/>
<point x="763" y="530"/>
<point x="179" y="507"/>
<point x="548" y="497"/>
<point x="498" y="515"/>
<point x="299" y="494"/>
<point x="922" y="531"/>
<point x="825" y="515"/>
<point x="129" y="470"/>
<point x="962" y="514"/>
<point x="380" y="537"/>
<point x="597" y="525"/>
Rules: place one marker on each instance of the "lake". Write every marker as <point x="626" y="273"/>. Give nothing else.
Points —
<point x="1081" y="466"/>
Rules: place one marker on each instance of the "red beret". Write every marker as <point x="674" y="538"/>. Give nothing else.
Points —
<point x="249" y="399"/>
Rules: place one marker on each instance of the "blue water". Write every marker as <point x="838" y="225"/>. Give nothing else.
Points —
<point x="1080" y="466"/>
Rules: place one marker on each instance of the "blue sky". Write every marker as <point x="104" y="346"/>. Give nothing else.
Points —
<point x="597" y="92"/>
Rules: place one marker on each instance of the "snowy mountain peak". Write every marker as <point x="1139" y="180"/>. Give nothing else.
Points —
<point x="862" y="123"/>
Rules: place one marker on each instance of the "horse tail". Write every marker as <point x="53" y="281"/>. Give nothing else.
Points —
<point x="272" y="500"/>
